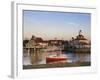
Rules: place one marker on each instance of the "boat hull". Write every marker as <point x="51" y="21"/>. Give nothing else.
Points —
<point x="55" y="59"/>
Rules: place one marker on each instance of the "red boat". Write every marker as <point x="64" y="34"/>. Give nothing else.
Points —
<point x="55" y="58"/>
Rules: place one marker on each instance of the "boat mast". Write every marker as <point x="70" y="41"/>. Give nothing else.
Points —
<point x="60" y="47"/>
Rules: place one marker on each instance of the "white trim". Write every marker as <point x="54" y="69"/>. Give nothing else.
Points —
<point x="14" y="40"/>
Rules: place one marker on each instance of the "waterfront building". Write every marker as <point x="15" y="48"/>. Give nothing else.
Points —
<point x="55" y="42"/>
<point x="80" y="41"/>
<point x="33" y="49"/>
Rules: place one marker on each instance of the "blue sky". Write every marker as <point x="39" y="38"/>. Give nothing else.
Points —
<point x="60" y="25"/>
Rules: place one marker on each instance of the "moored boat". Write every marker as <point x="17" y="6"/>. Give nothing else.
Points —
<point x="56" y="58"/>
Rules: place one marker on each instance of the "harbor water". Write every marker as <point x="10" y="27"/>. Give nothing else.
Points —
<point x="71" y="57"/>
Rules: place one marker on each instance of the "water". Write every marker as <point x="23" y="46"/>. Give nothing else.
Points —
<point x="71" y="57"/>
<point x="75" y="57"/>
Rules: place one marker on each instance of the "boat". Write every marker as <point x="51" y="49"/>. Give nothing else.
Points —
<point x="56" y="58"/>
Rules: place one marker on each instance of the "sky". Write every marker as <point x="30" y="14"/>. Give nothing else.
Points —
<point x="60" y="25"/>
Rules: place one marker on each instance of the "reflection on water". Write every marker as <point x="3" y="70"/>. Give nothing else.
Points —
<point x="71" y="57"/>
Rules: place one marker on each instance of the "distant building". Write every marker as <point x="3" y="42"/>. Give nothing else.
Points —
<point x="25" y="42"/>
<point x="41" y="42"/>
<point x="55" y="42"/>
<point x="31" y="43"/>
<point x="36" y="41"/>
<point x="80" y="41"/>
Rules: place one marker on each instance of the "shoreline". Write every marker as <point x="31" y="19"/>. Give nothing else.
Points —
<point x="57" y="65"/>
